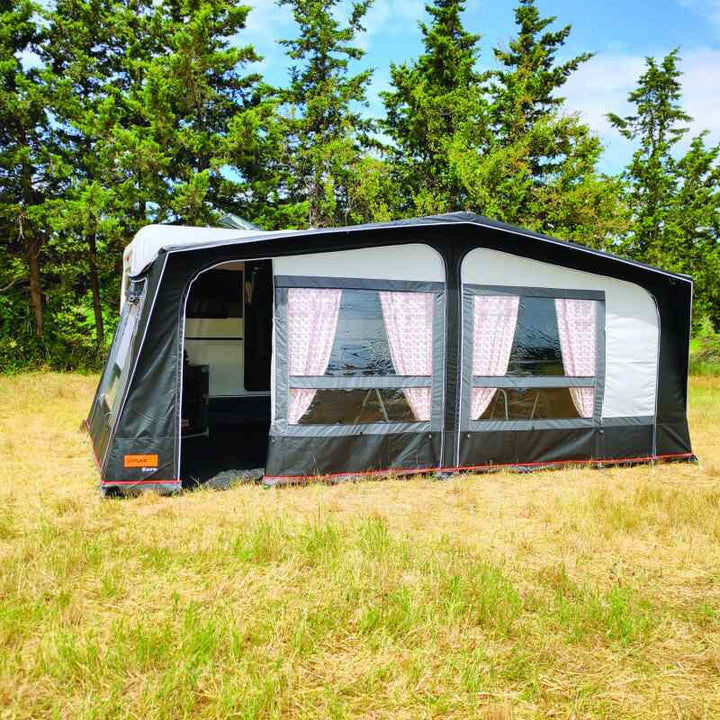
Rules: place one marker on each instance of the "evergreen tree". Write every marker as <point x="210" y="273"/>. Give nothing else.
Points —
<point x="194" y="98"/>
<point x="694" y="227"/>
<point x="437" y="96"/>
<point x="86" y="70"/>
<point x="675" y="203"/>
<point x="26" y="155"/>
<point x="539" y="168"/>
<point x="658" y="125"/>
<point x="325" y="132"/>
<point x="145" y="96"/>
<point x="525" y="91"/>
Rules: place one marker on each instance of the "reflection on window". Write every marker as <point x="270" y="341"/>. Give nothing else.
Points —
<point x="531" y="403"/>
<point x="118" y="365"/>
<point x="111" y="393"/>
<point x="361" y="345"/>
<point x="357" y="407"/>
<point x="536" y="345"/>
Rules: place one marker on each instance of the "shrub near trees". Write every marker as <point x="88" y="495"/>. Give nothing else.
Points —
<point x="117" y="114"/>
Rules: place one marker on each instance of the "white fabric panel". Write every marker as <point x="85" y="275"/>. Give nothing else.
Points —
<point x="631" y="333"/>
<point x="397" y="262"/>
<point x="224" y="359"/>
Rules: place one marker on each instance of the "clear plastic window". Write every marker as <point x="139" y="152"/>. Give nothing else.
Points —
<point x="536" y="345"/>
<point x="361" y="345"/>
<point x="357" y="407"/>
<point x="348" y="334"/>
<point x="216" y="294"/>
<point x="546" y="340"/>
<point x="535" y="403"/>
<point x="118" y="365"/>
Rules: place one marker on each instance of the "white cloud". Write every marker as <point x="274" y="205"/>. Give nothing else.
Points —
<point x="600" y="86"/>
<point x="701" y="89"/>
<point x="603" y="83"/>
<point x="266" y="24"/>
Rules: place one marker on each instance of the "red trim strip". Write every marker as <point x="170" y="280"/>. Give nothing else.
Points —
<point x="600" y="461"/>
<point x="493" y="466"/>
<point x="139" y="482"/>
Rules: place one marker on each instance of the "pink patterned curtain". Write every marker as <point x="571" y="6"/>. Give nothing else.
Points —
<point x="409" y="325"/>
<point x="576" y="327"/>
<point x="312" y="321"/>
<point x="495" y="321"/>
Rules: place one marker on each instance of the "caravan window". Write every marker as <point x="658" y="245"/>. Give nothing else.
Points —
<point x="118" y="365"/>
<point x="529" y="403"/>
<point x="533" y="356"/>
<point x="216" y="294"/>
<point x="360" y="356"/>
<point x="536" y="342"/>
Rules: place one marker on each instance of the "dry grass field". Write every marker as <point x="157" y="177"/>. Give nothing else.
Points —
<point x="560" y="594"/>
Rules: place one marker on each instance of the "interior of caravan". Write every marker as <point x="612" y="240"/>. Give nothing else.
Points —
<point x="226" y="370"/>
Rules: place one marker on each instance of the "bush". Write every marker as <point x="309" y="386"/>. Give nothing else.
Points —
<point x="705" y="355"/>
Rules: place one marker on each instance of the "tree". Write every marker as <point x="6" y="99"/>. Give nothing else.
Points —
<point x="675" y="203"/>
<point x="26" y="151"/>
<point x="658" y="126"/>
<point x="195" y="94"/>
<point x="525" y="92"/>
<point x="145" y="97"/>
<point x="325" y="132"/>
<point x="539" y="167"/>
<point x="86" y="69"/>
<point x="437" y="96"/>
<point x="694" y="228"/>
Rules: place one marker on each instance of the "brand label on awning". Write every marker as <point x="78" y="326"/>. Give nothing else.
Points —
<point x="141" y="461"/>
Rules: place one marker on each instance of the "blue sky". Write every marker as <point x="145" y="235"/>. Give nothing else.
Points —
<point x="620" y="33"/>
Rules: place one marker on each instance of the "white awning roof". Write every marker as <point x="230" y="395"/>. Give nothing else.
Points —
<point x="148" y="242"/>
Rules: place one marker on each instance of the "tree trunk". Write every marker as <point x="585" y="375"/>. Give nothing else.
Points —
<point x="316" y="197"/>
<point x="33" y="245"/>
<point x="95" y="289"/>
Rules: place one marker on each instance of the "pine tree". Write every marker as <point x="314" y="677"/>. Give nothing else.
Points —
<point x="325" y="131"/>
<point x="658" y="125"/>
<point x="437" y="96"/>
<point x="694" y="227"/>
<point x="195" y="96"/>
<point x="86" y="58"/>
<point x="145" y="97"/>
<point x="675" y="203"/>
<point x="539" y="167"/>
<point x="26" y="154"/>
<point x="525" y="91"/>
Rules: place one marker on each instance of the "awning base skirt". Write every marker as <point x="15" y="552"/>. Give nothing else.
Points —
<point x="597" y="463"/>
